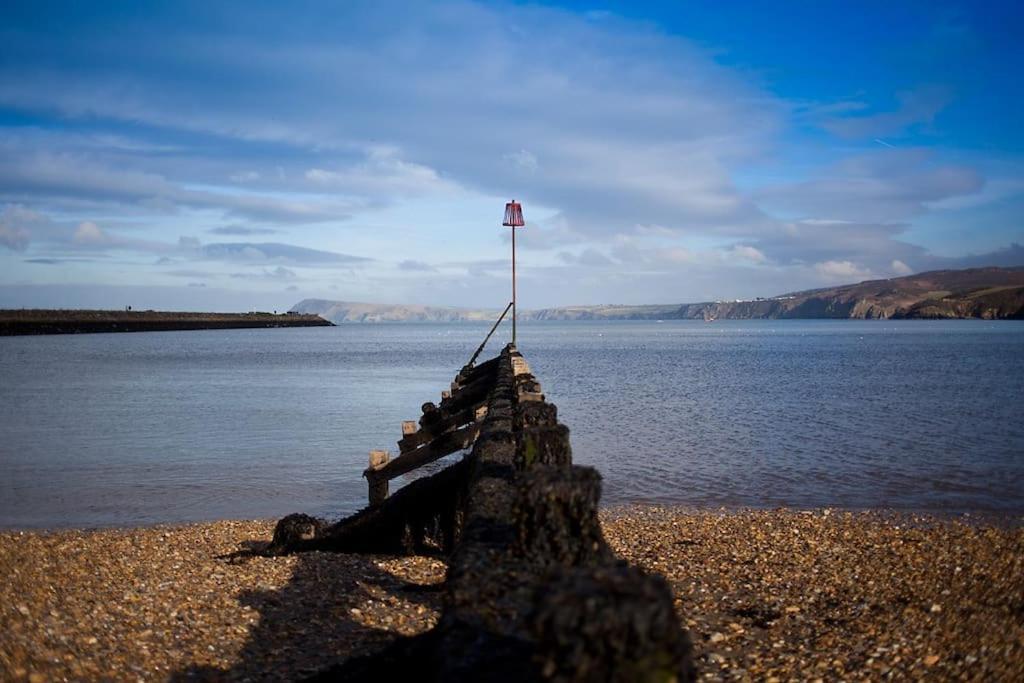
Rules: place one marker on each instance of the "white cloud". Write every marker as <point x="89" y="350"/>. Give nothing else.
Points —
<point x="274" y="252"/>
<point x="900" y="268"/>
<point x="62" y="176"/>
<point x="676" y="255"/>
<point x="633" y="252"/>
<point x="382" y="173"/>
<point x="15" y="225"/>
<point x="634" y="141"/>
<point x="278" y="274"/>
<point x="543" y="235"/>
<point x="915" y="107"/>
<point x="877" y="187"/>
<point x="522" y="159"/>
<point x="613" y="123"/>
<point x="89" y="233"/>
<point x="748" y="253"/>
<point x="589" y="257"/>
<point x="841" y="271"/>
<point x="414" y="265"/>
<point x="240" y="230"/>
<point x="873" y="246"/>
<point x="992" y="192"/>
<point x="14" y="238"/>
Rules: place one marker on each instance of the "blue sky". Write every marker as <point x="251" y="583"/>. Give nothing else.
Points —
<point x="242" y="156"/>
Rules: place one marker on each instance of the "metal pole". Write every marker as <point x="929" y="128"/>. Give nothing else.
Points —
<point x="513" y="285"/>
<point x="481" y="347"/>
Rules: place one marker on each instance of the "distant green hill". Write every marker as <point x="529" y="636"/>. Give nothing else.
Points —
<point x="989" y="293"/>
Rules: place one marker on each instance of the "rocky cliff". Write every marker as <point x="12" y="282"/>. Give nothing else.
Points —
<point x="989" y="293"/>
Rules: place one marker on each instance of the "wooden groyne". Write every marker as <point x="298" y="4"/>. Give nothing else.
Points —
<point x="533" y="591"/>
<point x="45" y="321"/>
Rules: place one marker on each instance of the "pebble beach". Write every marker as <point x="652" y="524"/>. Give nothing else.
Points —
<point x="766" y="595"/>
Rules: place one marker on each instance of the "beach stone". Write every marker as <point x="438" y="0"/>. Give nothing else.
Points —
<point x="292" y="530"/>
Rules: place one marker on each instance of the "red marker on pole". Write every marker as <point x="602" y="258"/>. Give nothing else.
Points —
<point x="513" y="219"/>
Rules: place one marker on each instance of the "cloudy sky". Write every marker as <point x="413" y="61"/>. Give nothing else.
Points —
<point x="247" y="155"/>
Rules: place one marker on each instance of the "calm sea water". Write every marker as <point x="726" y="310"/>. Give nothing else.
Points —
<point x="126" y="429"/>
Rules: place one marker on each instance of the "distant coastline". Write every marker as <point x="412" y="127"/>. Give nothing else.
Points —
<point x="43" y="321"/>
<point x="985" y="293"/>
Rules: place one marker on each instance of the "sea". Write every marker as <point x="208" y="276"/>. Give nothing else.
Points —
<point x="165" y="427"/>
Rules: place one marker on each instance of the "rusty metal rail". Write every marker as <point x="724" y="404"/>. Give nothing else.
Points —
<point x="443" y="430"/>
<point x="480" y="348"/>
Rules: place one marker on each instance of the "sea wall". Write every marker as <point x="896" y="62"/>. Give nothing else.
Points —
<point x="40" y="321"/>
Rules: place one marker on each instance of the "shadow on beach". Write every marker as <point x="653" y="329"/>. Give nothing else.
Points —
<point x="334" y="607"/>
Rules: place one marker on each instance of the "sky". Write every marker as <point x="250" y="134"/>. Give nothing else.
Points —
<point x="247" y="155"/>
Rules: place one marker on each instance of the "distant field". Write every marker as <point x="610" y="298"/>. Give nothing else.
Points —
<point x="44" y="321"/>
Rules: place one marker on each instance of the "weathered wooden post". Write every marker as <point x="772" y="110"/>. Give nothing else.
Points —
<point x="378" y="485"/>
<point x="533" y="590"/>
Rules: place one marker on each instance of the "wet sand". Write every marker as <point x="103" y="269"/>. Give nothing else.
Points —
<point x="766" y="594"/>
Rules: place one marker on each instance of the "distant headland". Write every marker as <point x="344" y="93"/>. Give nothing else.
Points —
<point x="43" y="321"/>
<point x="987" y="293"/>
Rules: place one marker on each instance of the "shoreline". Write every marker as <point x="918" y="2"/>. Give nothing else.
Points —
<point x="828" y="594"/>
<point x="975" y="518"/>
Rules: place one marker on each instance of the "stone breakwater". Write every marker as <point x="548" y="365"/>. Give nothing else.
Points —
<point x="42" y="321"/>
<point x="765" y="594"/>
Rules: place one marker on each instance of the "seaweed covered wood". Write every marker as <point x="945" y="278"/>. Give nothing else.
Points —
<point x="533" y="590"/>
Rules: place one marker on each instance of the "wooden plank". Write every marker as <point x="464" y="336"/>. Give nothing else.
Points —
<point x="414" y="441"/>
<point x="378" y="459"/>
<point x="486" y="379"/>
<point x="378" y="492"/>
<point x="520" y="366"/>
<point x="487" y="368"/>
<point x="470" y="394"/>
<point x="440" y="423"/>
<point x="445" y="444"/>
